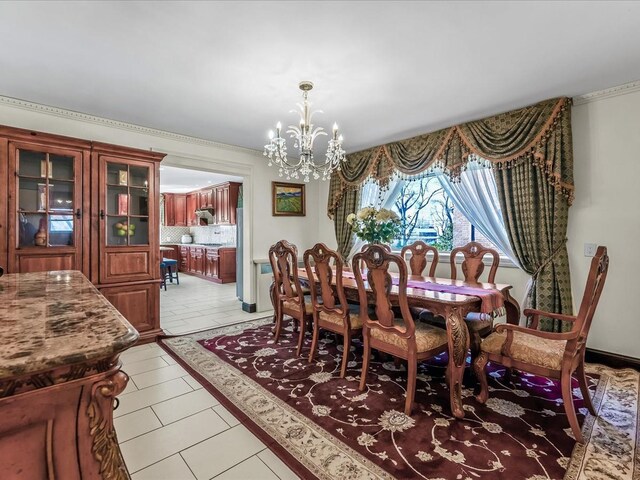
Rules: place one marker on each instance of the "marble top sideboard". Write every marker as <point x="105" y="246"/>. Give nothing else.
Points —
<point x="54" y="319"/>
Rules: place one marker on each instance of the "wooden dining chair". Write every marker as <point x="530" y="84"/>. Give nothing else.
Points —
<point x="329" y="314"/>
<point x="549" y="354"/>
<point x="419" y="258"/>
<point x="382" y="330"/>
<point x="472" y="267"/>
<point x="288" y="292"/>
<point x="418" y="263"/>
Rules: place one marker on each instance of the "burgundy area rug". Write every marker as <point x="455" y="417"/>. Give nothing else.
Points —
<point x="323" y="426"/>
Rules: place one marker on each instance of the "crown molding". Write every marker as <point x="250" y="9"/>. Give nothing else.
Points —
<point x="84" y="117"/>
<point x="607" y="93"/>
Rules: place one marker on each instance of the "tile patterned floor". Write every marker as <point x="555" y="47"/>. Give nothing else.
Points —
<point x="197" y="304"/>
<point x="169" y="427"/>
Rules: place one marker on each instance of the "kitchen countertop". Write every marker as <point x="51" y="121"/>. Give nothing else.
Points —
<point x="198" y="245"/>
<point x="53" y="319"/>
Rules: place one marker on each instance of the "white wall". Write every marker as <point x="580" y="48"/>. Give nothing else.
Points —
<point x="606" y="211"/>
<point x="192" y="153"/>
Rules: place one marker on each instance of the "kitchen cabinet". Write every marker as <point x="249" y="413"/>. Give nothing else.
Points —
<point x="216" y="264"/>
<point x="206" y="198"/>
<point x="175" y="210"/>
<point x="74" y="204"/>
<point x="183" y="264"/>
<point x="196" y="260"/>
<point x="212" y="262"/>
<point x="226" y="203"/>
<point x="192" y="201"/>
<point x="223" y="199"/>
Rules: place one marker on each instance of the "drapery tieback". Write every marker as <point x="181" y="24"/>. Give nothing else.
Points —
<point x="549" y="259"/>
<point x="526" y="301"/>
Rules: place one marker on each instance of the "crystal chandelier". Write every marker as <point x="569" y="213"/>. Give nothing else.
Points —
<point x="304" y="135"/>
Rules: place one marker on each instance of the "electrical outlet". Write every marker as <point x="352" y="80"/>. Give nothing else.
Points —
<point x="590" y="249"/>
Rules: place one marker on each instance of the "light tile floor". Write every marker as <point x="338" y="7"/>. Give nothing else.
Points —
<point x="169" y="427"/>
<point x="198" y="304"/>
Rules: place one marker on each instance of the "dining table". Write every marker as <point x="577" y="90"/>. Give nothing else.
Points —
<point x="423" y="292"/>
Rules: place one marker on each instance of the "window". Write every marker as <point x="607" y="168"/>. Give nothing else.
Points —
<point x="428" y="214"/>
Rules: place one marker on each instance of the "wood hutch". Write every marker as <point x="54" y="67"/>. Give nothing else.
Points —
<point x="74" y="204"/>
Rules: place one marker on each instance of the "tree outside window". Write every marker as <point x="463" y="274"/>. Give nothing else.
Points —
<point x="428" y="214"/>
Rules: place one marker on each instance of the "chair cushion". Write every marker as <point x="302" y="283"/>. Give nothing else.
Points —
<point x="528" y="349"/>
<point x="291" y="305"/>
<point x="354" y="317"/>
<point x="474" y="324"/>
<point x="427" y="336"/>
<point x="305" y="289"/>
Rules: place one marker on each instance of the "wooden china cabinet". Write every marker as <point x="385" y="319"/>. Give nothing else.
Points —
<point x="46" y="206"/>
<point x="125" y="243"/>
<point x="74" y="204"/>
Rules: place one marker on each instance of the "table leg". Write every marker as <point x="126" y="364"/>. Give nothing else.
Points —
<point x="458" y="340"/>
<point x="513" y="309"/>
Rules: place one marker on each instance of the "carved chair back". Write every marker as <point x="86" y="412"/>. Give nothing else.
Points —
<point x="283" y="257"/>
<point x="473" y="264"/>
<point x="418" y="261"/>
<point x="323" y="297"/>
<point x="591" y="297"/>
<point x="377" y="259"/>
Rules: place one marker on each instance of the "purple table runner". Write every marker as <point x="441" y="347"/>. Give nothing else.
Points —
<point x="492" y="299"/>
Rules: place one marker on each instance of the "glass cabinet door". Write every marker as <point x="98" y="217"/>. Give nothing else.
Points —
<point x="45" y="200"/>
<point x="127" y="204"/>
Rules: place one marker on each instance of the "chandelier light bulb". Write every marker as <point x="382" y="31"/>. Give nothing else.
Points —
<point x="270" y="134"/>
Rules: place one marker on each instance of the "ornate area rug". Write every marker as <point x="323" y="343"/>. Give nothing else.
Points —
<point x="323" y="426"/>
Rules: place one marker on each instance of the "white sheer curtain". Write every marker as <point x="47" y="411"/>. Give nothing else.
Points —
<point x="476" y="197"/>
<point x="371" y="196"/>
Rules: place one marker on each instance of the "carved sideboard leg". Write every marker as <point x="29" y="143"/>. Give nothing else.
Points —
<point x="104" y="441"/>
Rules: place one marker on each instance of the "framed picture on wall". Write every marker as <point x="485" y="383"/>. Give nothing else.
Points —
<point x="287" y="199"/>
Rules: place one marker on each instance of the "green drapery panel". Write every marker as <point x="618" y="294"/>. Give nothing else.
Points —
<point x="536" y="218"/>
<point x="531" y="153"/>
<point x="349" y="203"/>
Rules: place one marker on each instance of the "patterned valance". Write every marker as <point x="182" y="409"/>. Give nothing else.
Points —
<point x="539" y="134"/>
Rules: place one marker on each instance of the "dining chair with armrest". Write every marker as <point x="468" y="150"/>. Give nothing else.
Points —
<point x="288" y="294"/>
<point x="329" y="314"/>
<point x="382" y="329"/>
<point x="549" y="354"/>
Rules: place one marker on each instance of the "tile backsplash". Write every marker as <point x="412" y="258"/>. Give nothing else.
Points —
<point x="223" y="234"/>
<point x="172" y="234"/>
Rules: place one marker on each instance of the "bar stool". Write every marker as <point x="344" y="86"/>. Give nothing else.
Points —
<point x="171" y="269"/>
<point x="163" y="276"/>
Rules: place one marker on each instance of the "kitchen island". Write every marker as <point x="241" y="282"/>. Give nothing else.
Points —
<point x="59" y="378"/>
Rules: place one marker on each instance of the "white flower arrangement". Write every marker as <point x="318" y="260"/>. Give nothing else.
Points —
<point x="375" y="226"/>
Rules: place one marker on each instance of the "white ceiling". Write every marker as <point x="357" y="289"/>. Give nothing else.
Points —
<point x="181" y="180"/>
<point x="227" y="71"/>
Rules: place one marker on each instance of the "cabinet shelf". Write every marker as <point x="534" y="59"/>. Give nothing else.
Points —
<point x="44" y="179"/>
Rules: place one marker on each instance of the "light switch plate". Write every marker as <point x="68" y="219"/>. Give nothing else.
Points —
<point x="590" y="249"/>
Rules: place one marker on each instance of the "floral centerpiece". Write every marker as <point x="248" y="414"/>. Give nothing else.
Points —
<point x="375" y="226"/>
